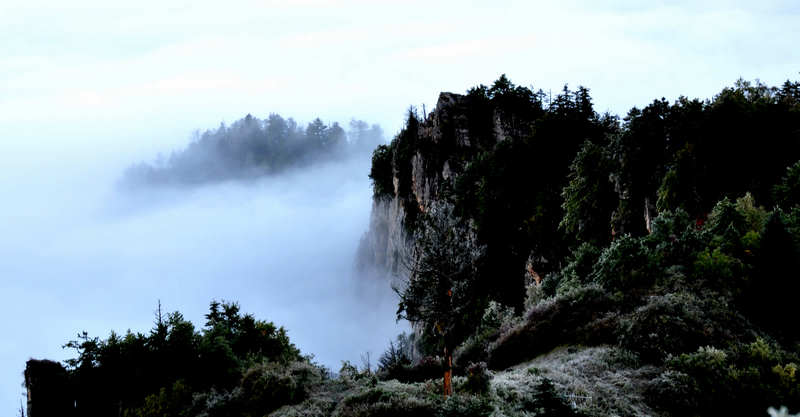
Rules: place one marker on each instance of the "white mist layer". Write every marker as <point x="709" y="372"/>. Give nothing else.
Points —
<point x="76" y="255"/>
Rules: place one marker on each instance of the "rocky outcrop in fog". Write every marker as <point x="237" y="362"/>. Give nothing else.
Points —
<point x="435" y="146"/>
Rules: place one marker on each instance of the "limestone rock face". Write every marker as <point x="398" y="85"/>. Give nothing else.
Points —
<point x="382" y="247"/>
<point x="443" y="138"/>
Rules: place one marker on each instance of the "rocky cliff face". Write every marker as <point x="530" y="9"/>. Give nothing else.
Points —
<point x="440" y="142"/>
<point x="49" y="389"/>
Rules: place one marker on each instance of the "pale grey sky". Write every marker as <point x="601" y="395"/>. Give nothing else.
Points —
<point x="195" y="63"/>
<point x="89" y="86"/>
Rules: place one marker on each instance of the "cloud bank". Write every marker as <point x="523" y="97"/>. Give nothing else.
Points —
<point x="79" y="254"/>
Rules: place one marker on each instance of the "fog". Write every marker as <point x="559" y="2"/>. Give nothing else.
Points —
<point x="80" y="254"/>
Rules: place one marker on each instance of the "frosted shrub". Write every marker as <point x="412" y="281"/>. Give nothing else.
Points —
<point x="783" y="412"/>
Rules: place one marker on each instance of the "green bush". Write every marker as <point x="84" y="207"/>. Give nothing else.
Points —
<point x="579" y="266"/>
<point x="478" y="378"/>
<point x="569" y="318"/>
<point x="674" y="238"/>
<point x="719" y="271"/>
<point x="677" y="323"/>
<point x="384" y="402"/>
<point x="465" y="406"/>
<point x="473" y="349"/>
<point x="725" y="227"/>
<point x="215" y="403"/>
<point x="396" y="360"/>
<point x="742" y="380"/>
<point x="545" y="401"/>
<point x="674" y="392"/>
<point x="755" y="217"/>
<point x="496" y="319"/>
<point x="266" y="387"/>
<point x="624" y="265"/>
<point x="426" y="368"/>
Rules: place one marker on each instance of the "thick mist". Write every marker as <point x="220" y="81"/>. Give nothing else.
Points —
<point x="80" y="254"/>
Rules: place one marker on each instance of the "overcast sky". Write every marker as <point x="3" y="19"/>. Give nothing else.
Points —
<point x="87" y="87"/>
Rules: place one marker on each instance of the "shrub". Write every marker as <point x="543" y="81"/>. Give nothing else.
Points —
<point x="496" y="319"/>
<point x="545" y="401"/>
<point x="567" y="318"/>
<point x="266" y="387"/>
<point x="382" y="401"/>
<point x="396" y="359"/>
<point x="674" y="392"/>
<point x="742" y="380"/>
<point x="624" y="265"/>
<point x="725" y="227"/>
<point x="427" y="367"/>
<point x="464" y="406"/>
<point x="496" y="316"/>
<point x="792" y="220"/>
<point x="579" y="266"/>
<point x="719" y="271"/>
<point x="724" y="215"/>
<point x="676" y="323"/>
<point x="754" y="216"/>
<point x="217" y="403"/>
<point x="474" y="348"/>
<point x="349" y="372"/>
<point x="534" y="294"/>
<point x="477" y="378"/>
<point x="674" y="238"/>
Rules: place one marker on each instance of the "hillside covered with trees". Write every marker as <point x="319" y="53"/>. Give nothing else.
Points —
<point x="669" y="236"/>
<point x="553" y="261"/>
<point x="252" y="147"/>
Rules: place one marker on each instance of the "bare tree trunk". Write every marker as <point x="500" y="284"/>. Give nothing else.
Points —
<point x="649" y="214"/>
<point x="448" y="373"/>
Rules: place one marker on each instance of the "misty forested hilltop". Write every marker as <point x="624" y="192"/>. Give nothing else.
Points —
<point x="253" y="147"/>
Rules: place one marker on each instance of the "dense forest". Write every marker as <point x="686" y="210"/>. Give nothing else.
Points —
<point x="251" y="147"/>
<point x="561" y="263"/>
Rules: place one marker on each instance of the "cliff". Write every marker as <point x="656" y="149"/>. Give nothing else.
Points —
<point x="424" y="167"/>
<point x="49" y="389"/>
<point x="440" y="145"/>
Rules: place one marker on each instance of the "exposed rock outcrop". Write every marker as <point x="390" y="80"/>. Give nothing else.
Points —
<point x="441" y="143"/>
<point x="48" y="387"/>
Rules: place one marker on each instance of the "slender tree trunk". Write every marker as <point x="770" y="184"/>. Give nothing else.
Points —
<point x="448" y="372"/>
<point x="649" y="214"/>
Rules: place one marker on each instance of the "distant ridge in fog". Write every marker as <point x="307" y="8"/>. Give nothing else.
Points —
<point x="252" y="147"/>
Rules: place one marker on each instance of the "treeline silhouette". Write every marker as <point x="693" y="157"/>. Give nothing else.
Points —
<point x="175" y="369"/>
